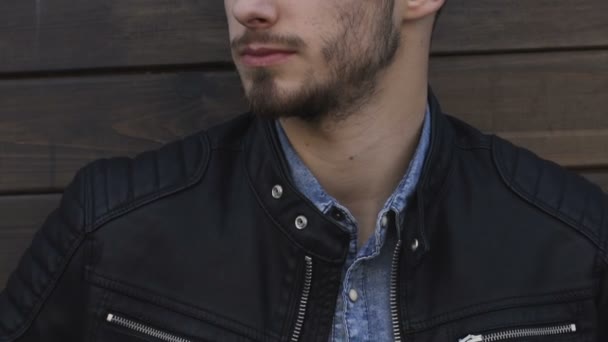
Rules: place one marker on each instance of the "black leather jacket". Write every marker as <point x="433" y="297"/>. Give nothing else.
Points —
<point x="195" y="242"/>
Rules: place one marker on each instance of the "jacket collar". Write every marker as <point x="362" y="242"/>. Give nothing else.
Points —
<point x="434" y="172"/>
<point x="322" y="237"/>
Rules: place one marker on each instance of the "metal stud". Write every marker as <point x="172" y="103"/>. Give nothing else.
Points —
<point x="415" y="245"/>
<point x="337" y="214"/>
<point x="277" y="191"/>
<point x="301" y="222"/>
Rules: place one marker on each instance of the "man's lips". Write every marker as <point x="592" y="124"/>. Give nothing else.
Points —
<point x="264" y="56"/>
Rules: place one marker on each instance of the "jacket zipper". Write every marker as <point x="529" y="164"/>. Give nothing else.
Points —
<point x="522" y="332"/>
<point x="393" y="290"/>
<point x="144" y="329"/>
<point x="297" y="330"/>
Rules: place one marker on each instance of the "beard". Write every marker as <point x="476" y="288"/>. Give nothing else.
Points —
<point x="353" y="69"/>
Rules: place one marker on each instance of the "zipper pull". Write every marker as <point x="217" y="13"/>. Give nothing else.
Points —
<point x="472" y="338"/>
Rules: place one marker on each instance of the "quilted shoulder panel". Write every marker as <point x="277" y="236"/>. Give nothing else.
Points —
<point x="559" y="192"/>
<point x="121" y="184"/>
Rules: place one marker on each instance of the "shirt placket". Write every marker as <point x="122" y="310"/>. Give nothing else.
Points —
<point x="355" y="314"/>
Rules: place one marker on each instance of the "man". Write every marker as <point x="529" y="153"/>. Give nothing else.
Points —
<point x="344" y="207"/>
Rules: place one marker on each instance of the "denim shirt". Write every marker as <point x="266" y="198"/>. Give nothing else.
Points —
<point x="363" y="305"/>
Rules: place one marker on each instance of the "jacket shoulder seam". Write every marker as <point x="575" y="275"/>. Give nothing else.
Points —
<point x="539" y="203"/>
<point x="135" y="203"/>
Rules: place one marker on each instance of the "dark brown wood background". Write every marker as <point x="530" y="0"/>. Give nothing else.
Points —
<point x="81" y="80"/>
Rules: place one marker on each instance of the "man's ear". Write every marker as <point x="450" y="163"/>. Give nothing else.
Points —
<point x="418" y="9"/>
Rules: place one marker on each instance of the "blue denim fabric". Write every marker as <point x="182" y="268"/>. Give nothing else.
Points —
<point x="367" y="270"/>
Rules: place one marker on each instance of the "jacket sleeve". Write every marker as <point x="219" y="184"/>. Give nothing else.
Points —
<point x="45" y="296"/>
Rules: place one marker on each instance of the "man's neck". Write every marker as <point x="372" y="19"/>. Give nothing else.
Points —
<point x="361" y="159"/>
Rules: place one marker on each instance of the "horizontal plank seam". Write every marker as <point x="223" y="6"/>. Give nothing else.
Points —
<point x="220" y="66"/>
<point x="519" y="51"/>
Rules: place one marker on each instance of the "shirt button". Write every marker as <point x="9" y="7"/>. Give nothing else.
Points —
<point x="353" y="295"/>
<point x="384" y="221"/>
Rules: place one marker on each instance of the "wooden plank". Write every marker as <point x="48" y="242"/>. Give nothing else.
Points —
<point x="67" y="34"/>
<point x="21" y="217"/>
<point x="51" y="127"/>
<point x="476" y="26"/>
<point x="554" y="104"/>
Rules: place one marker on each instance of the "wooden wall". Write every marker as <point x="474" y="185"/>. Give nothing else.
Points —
<point x="81" y="80"/>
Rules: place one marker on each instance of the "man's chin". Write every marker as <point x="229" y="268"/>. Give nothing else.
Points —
<point x="275" y="113"/>
<point x="272" y="100"/>
<point x="268" y="112"/>
<point x="266" y="102"/>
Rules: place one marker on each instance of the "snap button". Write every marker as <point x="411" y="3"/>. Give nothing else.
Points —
<point x="301" y="222"/>
<point x="353" y="295"/>
<point x="415" y="245"/>
<point x="337" y="214"/>
<point x="277" y="191"/>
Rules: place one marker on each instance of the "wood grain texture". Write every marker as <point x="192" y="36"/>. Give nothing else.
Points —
<point x="556" y="104"/>
<point x="491" y="25"/>
<point x="21" y="217"/>
<point x="51" y="127"/>
<point x="67" y="34"/>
